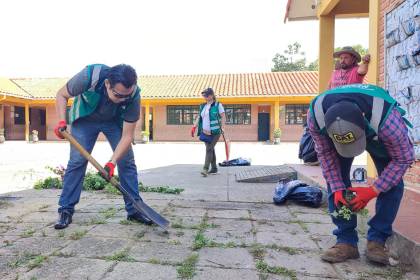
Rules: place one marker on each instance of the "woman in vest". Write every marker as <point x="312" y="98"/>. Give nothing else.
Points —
<point x="344" y="122"/>
<point x="210" y="121"/>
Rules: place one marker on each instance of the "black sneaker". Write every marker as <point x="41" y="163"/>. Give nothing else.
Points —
<point x="138" y="217"/>
<point x="213" y="171"/>
<point x="64" y="219"/>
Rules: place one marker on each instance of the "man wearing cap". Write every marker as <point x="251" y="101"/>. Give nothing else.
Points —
<point x="348" y="71"/>
<point x="344" y="122"/>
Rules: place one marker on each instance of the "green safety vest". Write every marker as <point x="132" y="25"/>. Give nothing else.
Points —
<point x="382" y="105"/>
<point x="85" y="104"/>
<point x="214" y="119"/>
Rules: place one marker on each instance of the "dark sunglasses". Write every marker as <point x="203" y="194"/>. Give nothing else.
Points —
<point x="122" y="96"/>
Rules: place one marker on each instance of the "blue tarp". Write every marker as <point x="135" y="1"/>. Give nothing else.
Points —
<point x="299" y="192"/>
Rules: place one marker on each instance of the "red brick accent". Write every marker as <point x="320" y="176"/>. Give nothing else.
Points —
<point x="412" y="176"/>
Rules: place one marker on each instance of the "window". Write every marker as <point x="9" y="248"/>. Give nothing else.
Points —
<point x="296" y="114"/>
<point x="238" y="114"/>
<point x="181" y="115"/>
<point x="19" y="115"/>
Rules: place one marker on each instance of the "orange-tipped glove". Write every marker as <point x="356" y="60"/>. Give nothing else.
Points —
<point x="338" y="198"/>
<point x="363" y="196"/>
<point x="62" y="125"/>
<point x="193" y="131"/>
<point x="109" y="168"/>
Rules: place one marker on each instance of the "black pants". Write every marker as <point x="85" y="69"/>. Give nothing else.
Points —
<point x="210" y="154"/>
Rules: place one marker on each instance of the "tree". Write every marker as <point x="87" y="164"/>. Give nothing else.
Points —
<point x="292" y="59"/>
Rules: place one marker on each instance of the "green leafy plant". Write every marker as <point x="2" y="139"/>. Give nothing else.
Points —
<point x="277" y="133"/>
<point x="346" y="212"/>
<point x="121" y="256"/>
<point x="265" y="268"/>
<point x="48" y="183"/>
<point x="160" y="189"/>
<point x="94" y="182"/>
<point x="186" y="270"/>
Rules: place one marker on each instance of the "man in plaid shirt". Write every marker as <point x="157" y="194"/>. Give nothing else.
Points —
<point x="344" y="122"/>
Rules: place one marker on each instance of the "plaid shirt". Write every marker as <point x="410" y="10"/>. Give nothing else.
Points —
<point x="393" y="134"/>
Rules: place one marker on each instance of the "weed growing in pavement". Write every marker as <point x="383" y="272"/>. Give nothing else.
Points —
<point x="78" y="234"/>
<point x="263" y="267"/>
<point x="121" y="256"/>
<point x="186" y="269"/>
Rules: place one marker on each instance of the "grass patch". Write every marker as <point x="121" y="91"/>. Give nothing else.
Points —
<point x="257" y="251"/>
<point x="186" y="270"/>
<point x="36" y="261"/>
<point x="28" y="233"/>
<point x="28" y="259"/>
<point x="263" y="267"/>
<point x="289" y="250"/>
<point x="178" y="224"/>
<point x="174" y="242"/>
<point x="110" y="189"/>
<point x="78" y="234"/>
<point x="121" y="256"/>
<point x="126" y="222"/>
<point x="200" y="241"/>
<point x="109" y="212"/>
<point x="160" y="189"/>
<point x="61" y="233"/>
<point x="153" y="261"/>
<point x="96" y="221"/>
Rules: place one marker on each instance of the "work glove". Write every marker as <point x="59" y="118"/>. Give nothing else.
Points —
<point x="109" y="168"/>
<point x="62" y="125"/>
<point x="193" y="131"/>
<point x="339" y="198"/>
<point x="363" y="196"/>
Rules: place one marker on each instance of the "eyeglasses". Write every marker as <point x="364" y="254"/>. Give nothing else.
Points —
<point x="121" y="96"/>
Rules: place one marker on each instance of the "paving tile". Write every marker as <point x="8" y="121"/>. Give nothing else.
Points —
<point x="207" y="273"/>
<point x="226" y="258"/>
<point x="69" y="268"/>
<point x="308" y="263"/>
<point x="144" y="271"/>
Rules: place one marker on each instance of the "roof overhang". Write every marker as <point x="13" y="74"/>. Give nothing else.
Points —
<point x="301" y="10"/>
<point x="298" y="10"/>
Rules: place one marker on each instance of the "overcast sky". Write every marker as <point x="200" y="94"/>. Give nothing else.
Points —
<point x="47" y="38"/>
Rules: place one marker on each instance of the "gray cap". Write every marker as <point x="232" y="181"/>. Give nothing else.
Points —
<point x="345" y="125"/>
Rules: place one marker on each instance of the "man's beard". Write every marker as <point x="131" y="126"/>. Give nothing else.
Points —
<point x="344" y="66"/>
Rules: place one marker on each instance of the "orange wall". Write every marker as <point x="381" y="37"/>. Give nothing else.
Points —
<point x="164" y="132"/>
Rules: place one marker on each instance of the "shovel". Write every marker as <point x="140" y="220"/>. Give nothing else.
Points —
<point x="138" y="204"/>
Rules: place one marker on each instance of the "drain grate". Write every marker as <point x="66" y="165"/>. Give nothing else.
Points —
<point x="270" y="174"/>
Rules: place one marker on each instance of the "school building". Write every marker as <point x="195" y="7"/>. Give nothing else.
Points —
<point x="255" y="104"/>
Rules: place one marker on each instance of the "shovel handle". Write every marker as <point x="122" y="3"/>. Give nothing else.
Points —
<point x="84" y="153"/>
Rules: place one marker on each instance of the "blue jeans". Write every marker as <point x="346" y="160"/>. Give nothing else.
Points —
<point x="86" y="133"/>
<point x="386" y="208"/>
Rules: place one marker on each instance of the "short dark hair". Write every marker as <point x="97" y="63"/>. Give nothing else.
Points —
<point x="122" y="73"/>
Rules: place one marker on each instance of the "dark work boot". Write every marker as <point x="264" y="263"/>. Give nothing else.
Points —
<point x="64" y="220"/>
<point x="340" y="252"/>
<point x="376" y="252"/>
<point x="139" y="217"/>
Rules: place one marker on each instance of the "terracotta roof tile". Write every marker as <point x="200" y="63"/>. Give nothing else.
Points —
<point x="187" y="86"/>
<point x="8" y="87"/>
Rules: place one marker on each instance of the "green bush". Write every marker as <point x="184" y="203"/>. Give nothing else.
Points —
<point x="94" y="182"/>
<point x="49" y="183"/>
